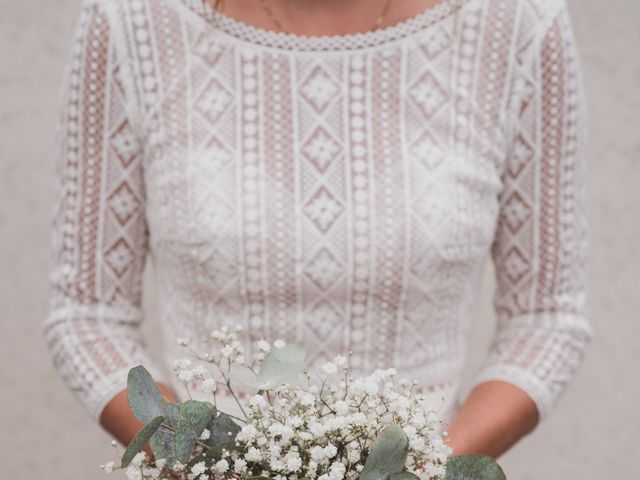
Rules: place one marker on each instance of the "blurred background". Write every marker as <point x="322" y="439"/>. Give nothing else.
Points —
<point x="594" y="433"/>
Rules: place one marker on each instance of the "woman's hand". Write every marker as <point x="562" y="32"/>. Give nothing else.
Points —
<point x="494" y="417"/>
<point x="118" y="419"/>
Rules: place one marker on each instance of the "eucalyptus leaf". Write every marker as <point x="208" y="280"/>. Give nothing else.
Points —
<point x="220" y="427"/>
<point x="145" y="399"/>
<point x="194" y="418"/>
<point x="404" y="476"/>
<point x="476" y="467"/>
<point x="162" y="442"/>
<point x="388" y="454"/>
<point x="146" y="403"/>
<point x="137" y="444"/>
<point x="281" y="365"/>
<point x="214" y="453"/>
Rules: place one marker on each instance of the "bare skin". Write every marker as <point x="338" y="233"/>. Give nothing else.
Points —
<point x="326" y="17"/>
<point x="496" y="414"/>
<point x="493" y="418"/>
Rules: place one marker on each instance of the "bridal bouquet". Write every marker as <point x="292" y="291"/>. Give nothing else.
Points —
<point x="299" y="425"/>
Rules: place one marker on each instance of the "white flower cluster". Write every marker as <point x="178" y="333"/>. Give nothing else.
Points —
<point x="324" y="431"/>
<point x="320" y="428"/>
<point x="141" y="468"/>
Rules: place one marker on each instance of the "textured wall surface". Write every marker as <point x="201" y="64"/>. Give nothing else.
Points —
<point x="594" y="432"/>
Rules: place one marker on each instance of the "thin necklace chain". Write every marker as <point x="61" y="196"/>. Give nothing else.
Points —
<point x="218" y="5"/>
<point x="278" y="24"/>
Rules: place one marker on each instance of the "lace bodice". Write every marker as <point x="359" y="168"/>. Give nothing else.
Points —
<point x="346" y="191"/>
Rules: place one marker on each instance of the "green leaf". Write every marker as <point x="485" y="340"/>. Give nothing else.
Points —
<point x="194" y="418"/>
<point x="404" y="476"/>
<point x="388" y="454"/>
<point x="214" y="453"/>
<point x="146" y="403"/>
<point x="476" y="467"/>
<point x="145" y="400"/>
<point x="281" y="365"/>
<point x="162" y="442"/>
<point x="220" y="426"/>
<point x="136" y="445"/>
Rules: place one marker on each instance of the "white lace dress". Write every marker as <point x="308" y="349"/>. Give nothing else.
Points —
<point x="346" y="191"/>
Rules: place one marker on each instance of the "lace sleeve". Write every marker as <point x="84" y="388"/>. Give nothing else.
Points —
<point x="99" y="229"/>
<point x="539" y="249"/>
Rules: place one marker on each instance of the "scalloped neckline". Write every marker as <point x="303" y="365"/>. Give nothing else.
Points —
<point x="351" y="41"/>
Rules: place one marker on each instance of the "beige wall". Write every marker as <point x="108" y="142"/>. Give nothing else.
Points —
<point x="593" y="434"/>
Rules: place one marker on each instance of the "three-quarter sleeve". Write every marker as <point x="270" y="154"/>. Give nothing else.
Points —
<point x="540" y="247"/>
<point x="99" y="240"/>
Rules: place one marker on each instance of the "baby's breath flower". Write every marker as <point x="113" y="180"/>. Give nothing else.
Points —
<point x="199" y="371"/>
<point x="221" y="466"/>
<point x="108" y="467"/>
<point x="341" y="407"/>
<point x="240" y="465"/>
<point x="294" y="421"/>
<point x="353" y="455"/>
<point x="247" y="433"/>
<point x="209" y="385"/>
<point x="330" y="450"/>
<point x="340" y="360"/>
<point x="185" y="376"/>
<point x="279" y="343"/>
<point x="329" y="368"/>
<point x="257" y="402"/>
<point x="263" y="345"/>
<point x="371" y="387"/>
<point x="138" y="459"/>
<point x="294" y="462"/>
<point x="317" y="453"/>
<point x="181" y="364"/>
<point x="307" y="400"/>
<point x="205" y="435"/>
<point x="337" y="471"/>
<point x="253" y="455"/>
<point x="199" y="468"/>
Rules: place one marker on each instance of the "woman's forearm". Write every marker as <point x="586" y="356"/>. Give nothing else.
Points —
<point x="118" y="420"/>
<point x="492" y="419"/>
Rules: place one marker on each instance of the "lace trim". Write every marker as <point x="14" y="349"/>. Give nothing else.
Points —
<point x="354" y="41"/>
<point x="122" y="315"/>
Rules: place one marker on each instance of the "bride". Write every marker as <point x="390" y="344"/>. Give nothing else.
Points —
<point x="335" y="172"/>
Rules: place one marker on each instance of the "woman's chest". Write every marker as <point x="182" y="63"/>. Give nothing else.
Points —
<point x="333" y="168"/>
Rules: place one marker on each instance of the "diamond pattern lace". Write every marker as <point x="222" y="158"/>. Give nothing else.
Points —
<point x="346" y="191"/>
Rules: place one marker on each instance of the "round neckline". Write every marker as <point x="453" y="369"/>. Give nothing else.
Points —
<point x="350" y="41"/>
